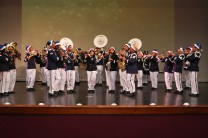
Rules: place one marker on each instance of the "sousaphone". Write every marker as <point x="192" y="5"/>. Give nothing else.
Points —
<point x="100" y="41"/>
<point x="65" y="43"/>
<point x="136" y="43"/>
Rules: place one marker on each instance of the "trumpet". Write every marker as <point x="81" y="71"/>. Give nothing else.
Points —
<point x="43" y="55"/>
<point x="11" y="47"/>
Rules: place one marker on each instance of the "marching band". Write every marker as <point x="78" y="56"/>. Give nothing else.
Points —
<point x="59" y="66"/>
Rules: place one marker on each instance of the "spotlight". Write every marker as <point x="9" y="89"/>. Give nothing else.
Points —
<point x="152" y="104"/>
<point x="186" y="104"/>
<point x="113" y="104"/>
<point x="79" y="104"/>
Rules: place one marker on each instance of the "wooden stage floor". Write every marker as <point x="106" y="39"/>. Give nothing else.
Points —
<point x="102" y="97"/>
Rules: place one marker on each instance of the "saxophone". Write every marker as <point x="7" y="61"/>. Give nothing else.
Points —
<point x="121" y="62"/>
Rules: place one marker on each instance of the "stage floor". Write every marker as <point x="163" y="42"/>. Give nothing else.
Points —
<point x="102" y="97"/>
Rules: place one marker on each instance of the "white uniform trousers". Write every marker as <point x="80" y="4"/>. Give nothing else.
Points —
<point x="91" y="78"/>
<point x="43" y="72"/>
<point x="70" y="79"/>
<point x="99" y="76"/>
<point x="112" y="80"/>
<point x="54" y="80"/>
<point x="139" y="78"/>
<point x="123" y="81"/>
<point x="178" y="81"/>
<point x="30" y="78"/>
<point x="76" y="73"/>
<point x="194" y="82"/>
<point x="5" y="82"/>
<point x="187" y="78"/>
<point x="168" y="80"/>
<point x="154" y="79"/>
<point x="12" y="80"/>
<point x="48" y="77"/>
<point x="106" y="76"/>
<point x="131" y="82"/>
<point x="62" y="82"/>
<point x="1" y="81"/>
<point x="145" y="78"/>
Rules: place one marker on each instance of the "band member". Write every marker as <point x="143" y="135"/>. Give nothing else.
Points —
<point x="168" y="70"/>
<point x="186" y="68"/>
<point x="154" y="68"/>
<point x="53" y="69"/>
<point x="122" y="70"/>
<point x="70" y="70"/>
<point x="31" y="57"/>
<point x="178" y="65"/>
<point x="112" y="67"/>
<point x="100" y="61"/>
<point x="106" y="55"/>
<point x="146" y="72"/>
<point x="76" y="65"/>
<point x="131" y="71"/>
<point x="4" y="72"/>
<point x="194" y="59"/>
<point x="61" y="67"/>
<point x="12" y="72"/>
<point x="140" y="70"/>
<point x="91" y="70"/>
<point x="43" y="69"/>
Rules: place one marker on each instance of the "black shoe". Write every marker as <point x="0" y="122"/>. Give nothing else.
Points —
<point x="178" y="92"/>
<point x="131" y="94"/>
<point x="153" y="88"/>
<point x="32" y="89"/>
<point x="70" y="91"/>
<point x="4" y="94"/>
<point x="112" y="91"/>
<point x="140" y="88"/>
<point x="77" y="83"/>
<point x="194" y="95"/>
<point x="100" y="84"/>
<point x="61" y="92"/>
<point x="145" y="84"/>
<point x="126" y="92"/>
<point x="12" y="92"/>
<point x="52" y="94"/>
<point x="187" y="88"/>
<point x="56" y="93"/>
<point x="168" y="90"/>
<point x="44" y="84"/>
